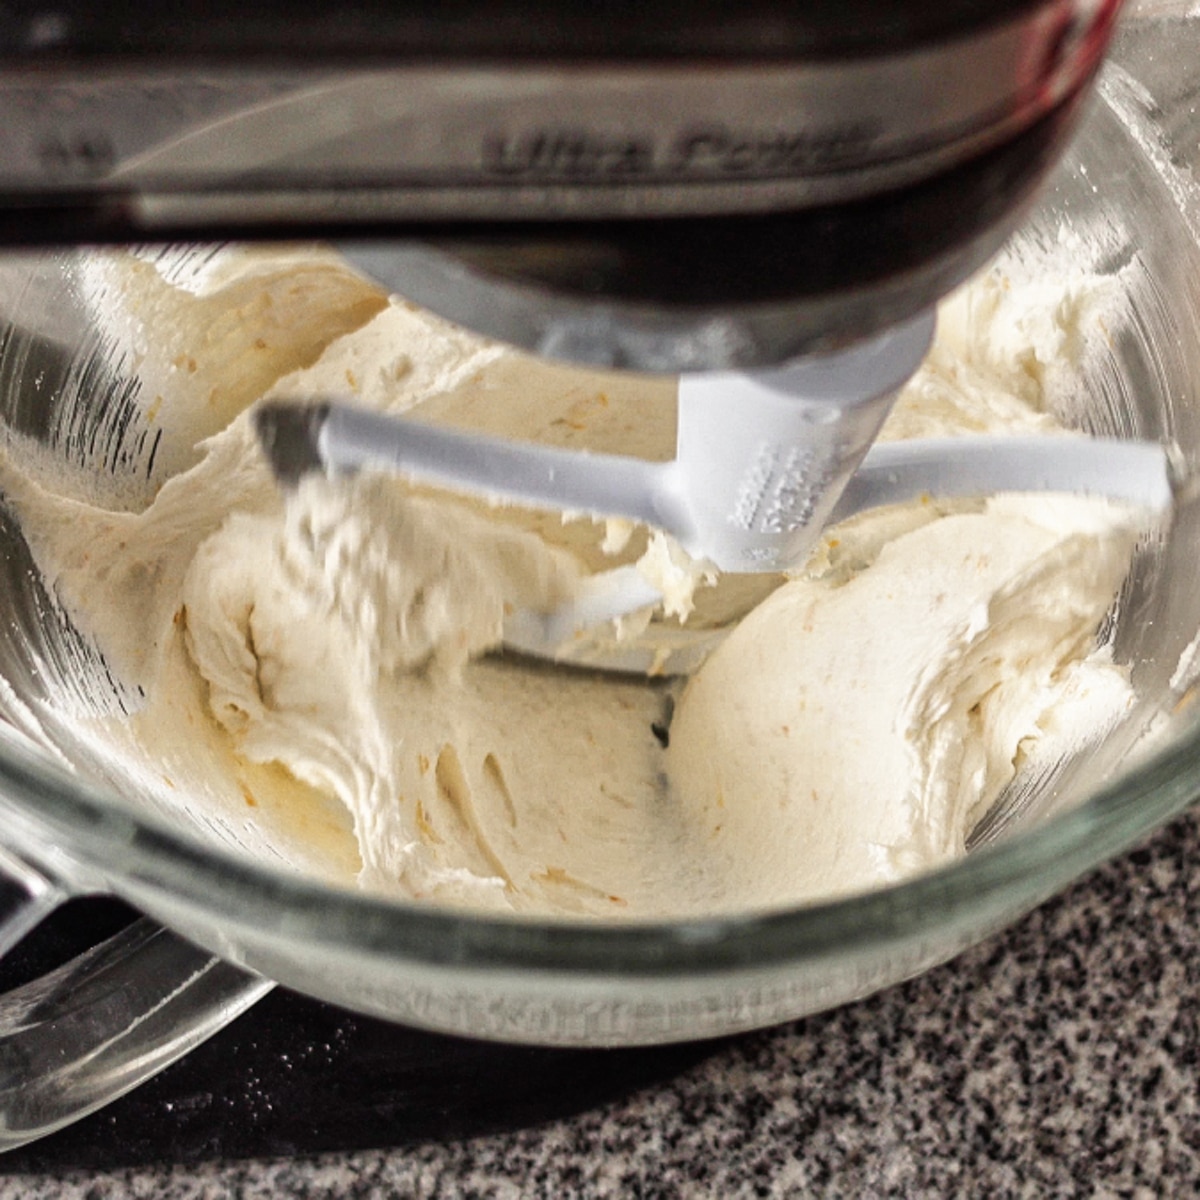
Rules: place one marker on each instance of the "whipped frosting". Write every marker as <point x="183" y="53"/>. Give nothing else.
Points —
<point x="804" y="750"/>
<point x="317" y="682"/>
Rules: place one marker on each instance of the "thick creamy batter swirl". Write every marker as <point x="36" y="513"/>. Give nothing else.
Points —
<point x="316" y="671"/>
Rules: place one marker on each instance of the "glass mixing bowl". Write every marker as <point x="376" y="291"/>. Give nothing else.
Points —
<point x="1124" y="200"/>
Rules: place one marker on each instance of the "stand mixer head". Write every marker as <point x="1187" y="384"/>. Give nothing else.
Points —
<point x="664" y="187"/>
<point x="728" y="193"/>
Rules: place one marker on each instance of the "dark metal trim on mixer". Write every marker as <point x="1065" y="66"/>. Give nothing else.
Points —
<point x="506" y="29"/>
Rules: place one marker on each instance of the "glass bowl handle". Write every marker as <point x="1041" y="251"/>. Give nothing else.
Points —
<point x="96" y="1027"/>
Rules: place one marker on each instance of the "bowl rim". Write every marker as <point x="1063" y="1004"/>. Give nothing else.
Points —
<point x="87" y="839"/>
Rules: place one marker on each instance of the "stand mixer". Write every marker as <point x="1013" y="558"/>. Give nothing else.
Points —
<point x="679" y="188"/>
<point x="716" y="189"/>
<point x="757" y="189"/>
<point x="695" y="187"/>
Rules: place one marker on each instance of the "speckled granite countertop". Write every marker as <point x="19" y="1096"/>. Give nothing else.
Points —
<point x="1060" y="1059"/>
